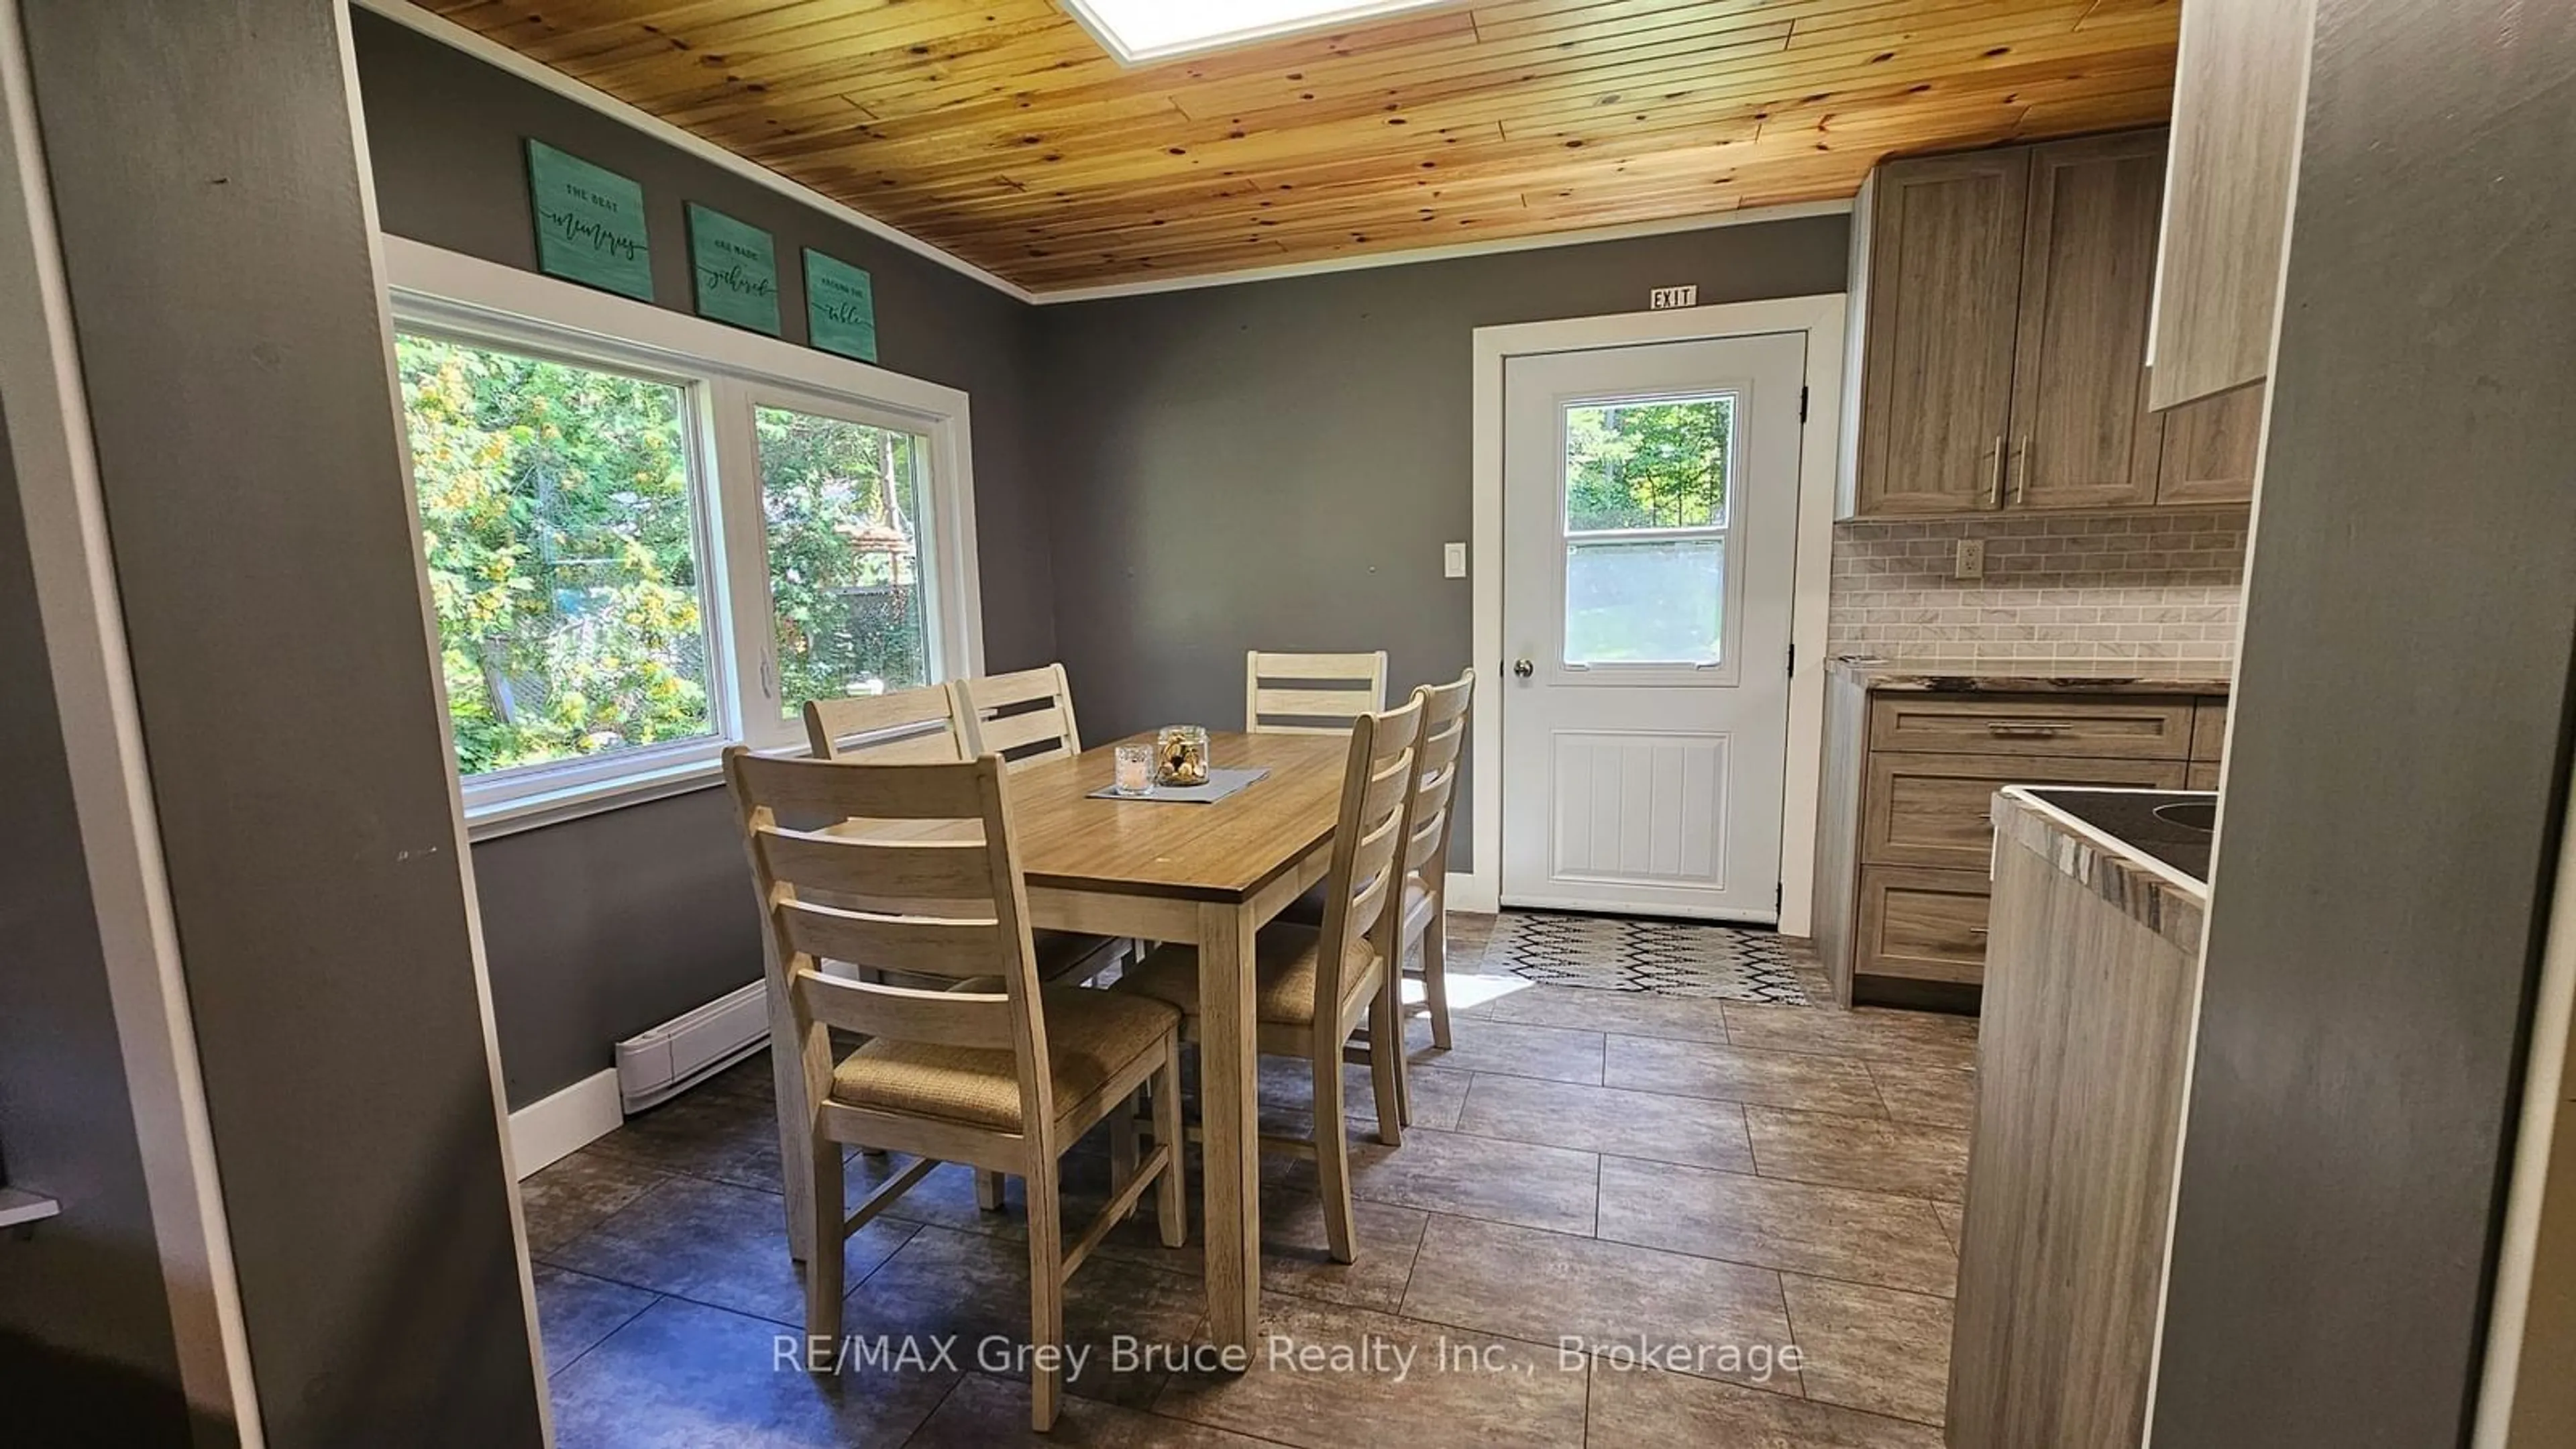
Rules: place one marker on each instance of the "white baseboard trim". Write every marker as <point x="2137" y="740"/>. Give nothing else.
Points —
<point x="1474" y="891"/>
<point x="544" y="1133"/>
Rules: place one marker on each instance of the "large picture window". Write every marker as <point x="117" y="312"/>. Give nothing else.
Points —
<point x="646" y="536"/>
<point x="556" y="514"/>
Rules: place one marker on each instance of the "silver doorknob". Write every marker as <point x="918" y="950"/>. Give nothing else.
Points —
<point x="1521" y="668"/>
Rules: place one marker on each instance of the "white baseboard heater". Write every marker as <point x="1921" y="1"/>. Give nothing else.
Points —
<point x="657" y="1065"/>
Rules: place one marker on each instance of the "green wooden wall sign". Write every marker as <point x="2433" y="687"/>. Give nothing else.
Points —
<point x="590" y="223"/>
<point x="737" y="270"/>
<point x="840" y="307"/>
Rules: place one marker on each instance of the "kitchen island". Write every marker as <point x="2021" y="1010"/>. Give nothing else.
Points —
<point x="2091" y="977"/>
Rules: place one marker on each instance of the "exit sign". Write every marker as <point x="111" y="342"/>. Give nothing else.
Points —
<point x="1662" y="297"/>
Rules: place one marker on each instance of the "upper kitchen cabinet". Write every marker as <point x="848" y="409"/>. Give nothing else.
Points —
<point x="2210" y="449"/>
<point x="2081" y="433"/>
<point x="1938" y="244"/>
<point x="2001" y="336"/>
<point x="2239" y="85"/>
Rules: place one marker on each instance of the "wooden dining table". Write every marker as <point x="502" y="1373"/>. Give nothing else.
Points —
<point x="1207" y="875"/>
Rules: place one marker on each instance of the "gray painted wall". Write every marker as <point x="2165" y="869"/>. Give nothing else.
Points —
<point x="1161" y="483"/>
<point x="2396" y="777"/>
<point x="601" y="927"/>
<point x="1276" y="465"/>
<point x="218" y="251"/>
<point x="85" y="1328"/>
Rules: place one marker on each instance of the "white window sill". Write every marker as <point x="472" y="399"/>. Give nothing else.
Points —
<point x="534" y="809"/>
<point x="493" y="819"/>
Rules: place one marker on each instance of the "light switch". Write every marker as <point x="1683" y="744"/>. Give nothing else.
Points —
<point x="1971" y="563"/>
<point x="1453" y="560"/>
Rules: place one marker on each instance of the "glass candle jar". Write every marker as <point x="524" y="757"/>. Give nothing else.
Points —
<point x="1181" y="755"/>
<point x="1135" y="770"/>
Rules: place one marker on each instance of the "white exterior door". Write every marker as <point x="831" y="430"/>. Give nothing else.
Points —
<point x="1650" y="499"/>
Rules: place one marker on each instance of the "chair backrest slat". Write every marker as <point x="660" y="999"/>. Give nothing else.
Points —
<point x="980" y="1020"/>
<point x="1311" y="693"/>
<point x="918" y="945"/>
<point x="909" y="726"/>
<point x="912" y="870"/>
<point x="929" y="870"/>
<point x="1010" y="732"/>
<point x="1377" y="780"/>
<point x="1030" y="713"/>
<point x="1442" y="739"/>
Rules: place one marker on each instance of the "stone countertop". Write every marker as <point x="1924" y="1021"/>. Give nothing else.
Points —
<point x="2157" y="896"/>
<point x="2105" y="676"/>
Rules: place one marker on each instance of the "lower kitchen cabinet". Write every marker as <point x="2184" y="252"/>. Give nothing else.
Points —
<point x="1905" y="844"/>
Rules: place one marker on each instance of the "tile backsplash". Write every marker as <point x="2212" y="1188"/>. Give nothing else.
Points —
<point x="2164" y="585"/>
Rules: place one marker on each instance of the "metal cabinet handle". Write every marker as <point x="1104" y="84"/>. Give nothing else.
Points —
<point x="1995" y="476"/>
<point x="2031" y="731"/>
<point x="2016" y="484"/>
<point x="1976" y="930"/>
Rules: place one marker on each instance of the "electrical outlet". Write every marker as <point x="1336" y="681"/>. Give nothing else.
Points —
<point x="1971" y="562"/>
<point x="1659" y="298"/>
<point x="1453" y="560"/>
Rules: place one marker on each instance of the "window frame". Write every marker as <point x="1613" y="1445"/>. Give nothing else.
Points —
<point x="725" y="373"/>
<point x="1726" y="669"/>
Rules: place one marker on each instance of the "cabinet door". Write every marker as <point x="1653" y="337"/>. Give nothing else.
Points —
<point x="1936" y="371"/>
<point x="1922" y="925"/>
<point x="2209" y="449"/>
<point x="2239" y="75"/>
<point x="2082" y="435"/>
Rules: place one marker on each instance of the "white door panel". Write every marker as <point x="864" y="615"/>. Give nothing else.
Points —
<point x="1640" y="809"/>
<point x="1649" y="525"/>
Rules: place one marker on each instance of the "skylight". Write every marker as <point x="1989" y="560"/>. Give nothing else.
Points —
<point x="1137" y="31"/>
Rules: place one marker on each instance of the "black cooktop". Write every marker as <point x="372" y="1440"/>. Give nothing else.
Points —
<point x="2173" y="826"/>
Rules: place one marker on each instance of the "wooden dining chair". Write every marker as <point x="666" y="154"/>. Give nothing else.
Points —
<point x="1422" y="917"/>
<point x="1024" y="717"/>
<point x="995" y="1071"/>
<point x="1315" y="986"/>
<point x="1312" y="694"/>
<point x="909" y="726"/>
<point x="928" y="726"/>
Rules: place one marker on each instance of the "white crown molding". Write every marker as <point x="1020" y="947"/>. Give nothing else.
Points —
<point x="447" y="32"/>
<point x="1744" y="216"/>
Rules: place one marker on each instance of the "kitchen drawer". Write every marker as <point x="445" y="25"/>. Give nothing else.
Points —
<point x="1922" y="925"/>
<point x="2147" y="727"/>
<point x="2203" y="775"/>
<point x="2208" y="729"/>
<point x="1931" y="809"/>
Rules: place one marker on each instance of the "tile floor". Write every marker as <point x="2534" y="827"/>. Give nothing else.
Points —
<point x="1708" y="1181"/>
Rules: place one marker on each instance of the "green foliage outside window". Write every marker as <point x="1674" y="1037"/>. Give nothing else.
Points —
<point x="555" y="512"/>
<point x="840" y="502"/>
<point x="1646" y="464"/>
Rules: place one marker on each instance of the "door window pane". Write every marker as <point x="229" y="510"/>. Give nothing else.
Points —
<point x="842" y="501"/>
<point x="1658" y="463"/>
<point x="1644" y="601"/>
<point x="556" y="512"/>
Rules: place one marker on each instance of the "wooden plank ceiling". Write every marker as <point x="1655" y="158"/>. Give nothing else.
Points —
<point x="1001" y="131"/>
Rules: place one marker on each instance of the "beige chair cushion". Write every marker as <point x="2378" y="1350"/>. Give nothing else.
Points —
<point x="1091" y="1037"/>
<point x="1285" y="959"/>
